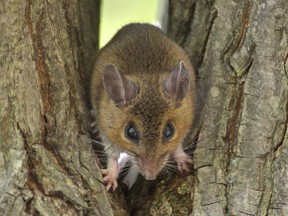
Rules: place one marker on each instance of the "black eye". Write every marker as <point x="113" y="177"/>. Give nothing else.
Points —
<point x="168" y="131"/>
<point x="131" y="132"/>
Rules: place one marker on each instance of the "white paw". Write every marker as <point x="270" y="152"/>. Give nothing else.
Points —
<point x="110" y="178"/>
<point x="183" y="162"/>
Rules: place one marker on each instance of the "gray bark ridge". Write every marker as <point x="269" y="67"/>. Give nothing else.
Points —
<point x="243" y="170"/>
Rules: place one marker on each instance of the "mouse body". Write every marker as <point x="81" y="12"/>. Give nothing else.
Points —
<point x="143" y="94"/>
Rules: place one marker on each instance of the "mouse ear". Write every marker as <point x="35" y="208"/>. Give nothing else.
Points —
<point x="117" y="86"/>
<point x="177" y="83"/>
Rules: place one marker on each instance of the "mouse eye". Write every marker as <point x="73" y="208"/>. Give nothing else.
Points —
<point x="131" y="132"/>
<point x="168" y="131"/>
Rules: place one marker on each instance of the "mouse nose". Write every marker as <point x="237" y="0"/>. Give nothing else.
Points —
<point x="148" y="169"/>
<point x="149" y="175"/>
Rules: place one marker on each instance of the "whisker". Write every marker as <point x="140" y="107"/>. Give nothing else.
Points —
<point x="211" y="133"/>
<point x="90" y="140"/>
<point x="194" y="144"/>
<point x="102" y="157"/>
<point x="124" y="171"/>
<point x="193" y="151"/>
<point x="171" y="166"/>
<point x="171" y="170"/>
<point x="166" y="172"/>
<point x="99" y="151"/>
<point x="129" y="153"/>
<point x="126" y="168"/>
<point x="98" y="142"/>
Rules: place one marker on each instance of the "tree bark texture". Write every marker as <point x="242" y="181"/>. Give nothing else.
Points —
<point x="47" y="166"/>
<point x="239" y="50"/>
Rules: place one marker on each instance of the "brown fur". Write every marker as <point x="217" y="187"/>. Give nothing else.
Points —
<point x="145" y="56"/>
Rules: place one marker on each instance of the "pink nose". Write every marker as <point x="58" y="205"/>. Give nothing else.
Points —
<point x="149" y="175"/>
<point x="149" y="169"/>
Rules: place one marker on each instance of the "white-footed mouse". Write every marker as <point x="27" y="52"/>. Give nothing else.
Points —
<point x="143" y="90"/>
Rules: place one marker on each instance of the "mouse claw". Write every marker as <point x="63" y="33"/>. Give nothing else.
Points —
<point x="112" y="185"/>
<point x="183" y="165"/>
<point x="109" y="179"/>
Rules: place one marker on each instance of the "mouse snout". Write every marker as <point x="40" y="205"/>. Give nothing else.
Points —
<point x="149" y="168"/>
<point x="149" y="175"/>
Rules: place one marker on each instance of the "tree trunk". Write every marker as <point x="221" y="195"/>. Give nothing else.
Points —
<point x="47" y="167"/>
<point x="240" y="51"/>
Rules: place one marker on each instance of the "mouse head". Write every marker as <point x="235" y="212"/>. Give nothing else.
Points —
<point x="149" y="116"/>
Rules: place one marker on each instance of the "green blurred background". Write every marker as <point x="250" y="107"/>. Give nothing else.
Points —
<point x="117" y="13"/>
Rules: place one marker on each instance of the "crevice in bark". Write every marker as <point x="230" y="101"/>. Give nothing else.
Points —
<point x="236" y="102"/>
<point x="74" y="42"/>
<point x="69" y="204"/>
<point x="41" y="67"/>
<point x="32" y="182"/>
<point x="29" y="207"/>
<point x="284" y="131"/>
<point x="238" y="96"/>
<point x="245" y="213"/>
<point x="244" y="25"/>
<point x="212" y="16"/>
<point x="184" y="26"/>
<point x="284" y="64"/>
<point x="238" y="38"/>
<point x="206" y="165"/>
<point x="212" y="203"/>
<point x="46" y="99"/>
<point x="266" y="191"/>
<point x="232" y="127"/>
<point x="185" y="29"/>
<point x="79" y="52"/>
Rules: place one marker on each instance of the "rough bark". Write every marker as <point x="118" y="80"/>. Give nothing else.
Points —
<point x="240" y="51"/>
<point x="47" y="165"/>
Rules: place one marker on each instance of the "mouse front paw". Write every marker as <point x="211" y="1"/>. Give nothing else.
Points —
<point x="183" y="164"/>
<point x="109" y="179"/>
<point x="183" y="161"/>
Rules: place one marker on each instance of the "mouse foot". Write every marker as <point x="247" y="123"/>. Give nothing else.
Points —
<point x="110" y="179"/>
<point x="183" y="163"/>
<point x="182" y="159"/>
